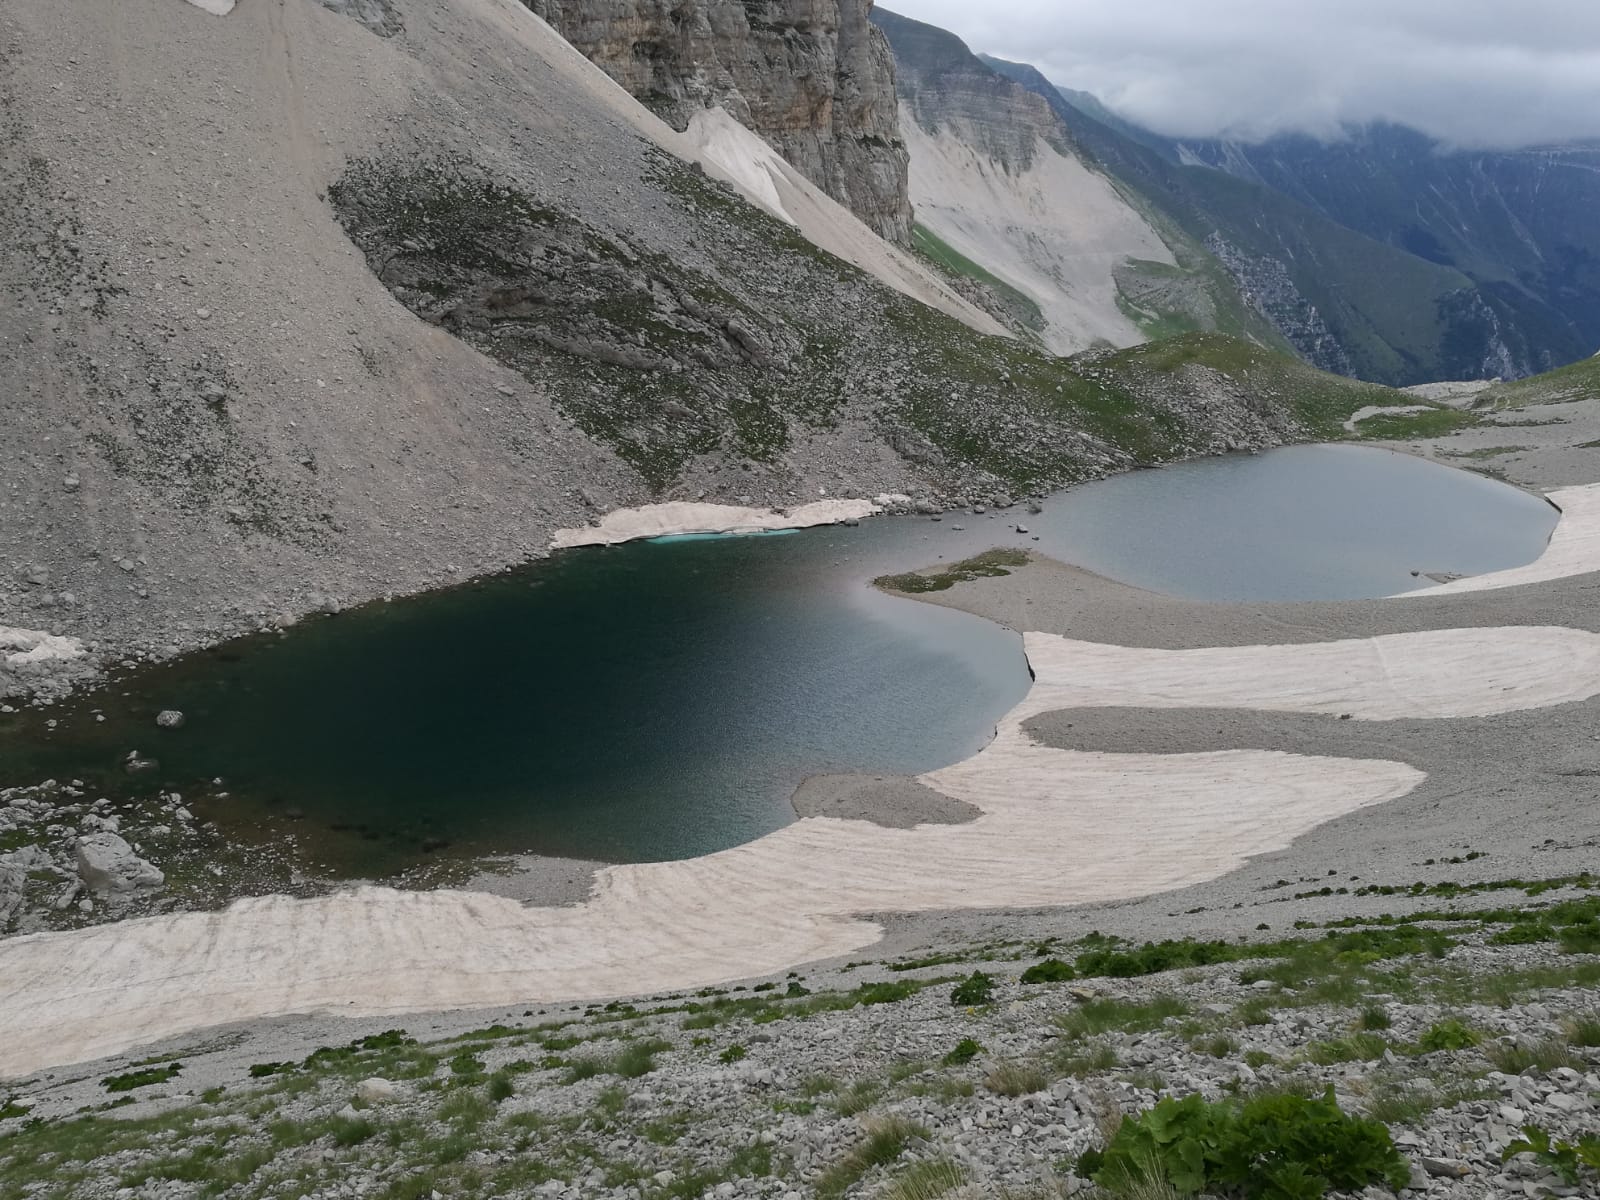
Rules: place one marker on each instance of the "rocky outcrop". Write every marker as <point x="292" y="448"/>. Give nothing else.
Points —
<point x="108" y="866"/>
<point x="377" y="15"/>
<point x="943" y="84"/>
<point x="1268" y="287"/>
<point x="813" y="77"/>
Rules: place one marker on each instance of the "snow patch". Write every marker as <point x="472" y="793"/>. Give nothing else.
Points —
<point x="217" y="8"/>
<point x="679" y="517"/>
<point x="29" y="647"/>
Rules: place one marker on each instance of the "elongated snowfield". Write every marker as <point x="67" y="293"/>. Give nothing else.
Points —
<point x="680" y="517"/>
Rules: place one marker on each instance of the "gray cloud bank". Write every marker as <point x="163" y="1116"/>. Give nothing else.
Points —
<point x="1499" y="73"/>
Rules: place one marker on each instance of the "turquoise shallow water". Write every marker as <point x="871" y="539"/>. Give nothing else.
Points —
<point x="662" y="700"/>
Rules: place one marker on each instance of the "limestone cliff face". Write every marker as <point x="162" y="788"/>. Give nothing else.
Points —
<point x="946" y="87"/>
<point x="813" y="77"/>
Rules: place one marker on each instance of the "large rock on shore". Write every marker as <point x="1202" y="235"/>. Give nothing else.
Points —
<point x="108" y="865"/>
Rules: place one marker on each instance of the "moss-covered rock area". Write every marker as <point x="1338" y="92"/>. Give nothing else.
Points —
<point x="753" y="341"/>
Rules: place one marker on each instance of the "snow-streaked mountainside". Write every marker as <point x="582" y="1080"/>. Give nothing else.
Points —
<point x="734" y="153"/>
<point x="994" y="177"/>
<point x="1053" y="229"/>
<point x="1347" y="301"/>
<point x="1003" y="195"/>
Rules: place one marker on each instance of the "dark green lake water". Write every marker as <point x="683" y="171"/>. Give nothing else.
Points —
<point x="657" y="701"/>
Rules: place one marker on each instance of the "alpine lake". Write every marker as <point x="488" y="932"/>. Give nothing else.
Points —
<point x="664" y="699"/>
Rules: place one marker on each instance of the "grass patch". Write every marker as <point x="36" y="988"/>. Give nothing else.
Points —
<point x="1104" y="1016"/>
<point x="1515" y="1057"/>
<point x="1359" y="1047"/>
<point x="926" y="1180"/>
<point x="1019" y="305"/>
<point x="988" y="565"/>
<point x="630" y="1062"/>
<point x="886" y="1141"/>
<point x="1435" y="422"/>
<point x="1079" y="1063"/>
<point x="143" y="1078"/>
<point x="1012" y="1078"/>
<point x="858" y="1097"/>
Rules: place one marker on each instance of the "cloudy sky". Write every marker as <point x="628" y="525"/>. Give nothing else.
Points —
<point x="1472" y="72"/>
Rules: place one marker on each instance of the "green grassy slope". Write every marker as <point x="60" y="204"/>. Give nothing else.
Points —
<point x="1575" y="381"/>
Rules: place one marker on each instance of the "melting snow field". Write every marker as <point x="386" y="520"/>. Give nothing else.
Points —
<point x="1058" y="827"/>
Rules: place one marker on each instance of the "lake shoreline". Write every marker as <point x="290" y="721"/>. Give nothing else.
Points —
<point x="1389" y="834"/>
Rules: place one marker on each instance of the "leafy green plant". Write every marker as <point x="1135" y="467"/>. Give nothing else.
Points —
<point x="1051" y="970"/>
<point x="733" y="1054"/>
<point x="1449" y="1034"/>
<point x="1566" y="1159"/>
<point x="974" y="990"/>
<point x="263" y="1069"/>
<point x="1273" y="1147"/>
<point x="965" y="1051"/>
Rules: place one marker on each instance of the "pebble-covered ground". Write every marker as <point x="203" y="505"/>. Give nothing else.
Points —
<point x="908" y="1080"/>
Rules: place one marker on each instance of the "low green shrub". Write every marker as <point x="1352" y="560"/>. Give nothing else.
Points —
<point x="501" y="1087"/>
<point x="1272" y="1147"/>
<point x="466" y="1063"/>
<point x="974" y="990"/>
<point x="733" y="1054"/>
<point x="1374" y="1018"/>
<point x="351" y="1131"/>
<point x="1051" y="970"/>
<point x="965" y="1051"/>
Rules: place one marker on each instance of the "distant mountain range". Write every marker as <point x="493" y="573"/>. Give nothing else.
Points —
<point x="1383" y="255"/>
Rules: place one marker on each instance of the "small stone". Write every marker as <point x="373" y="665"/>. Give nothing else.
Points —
<point x="203" y="313"/>
<point x="1446" y="1168"/>
<point x="169" y="718"/>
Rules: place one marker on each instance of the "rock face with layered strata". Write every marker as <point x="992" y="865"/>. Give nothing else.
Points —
<point x="813" y="77"/>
